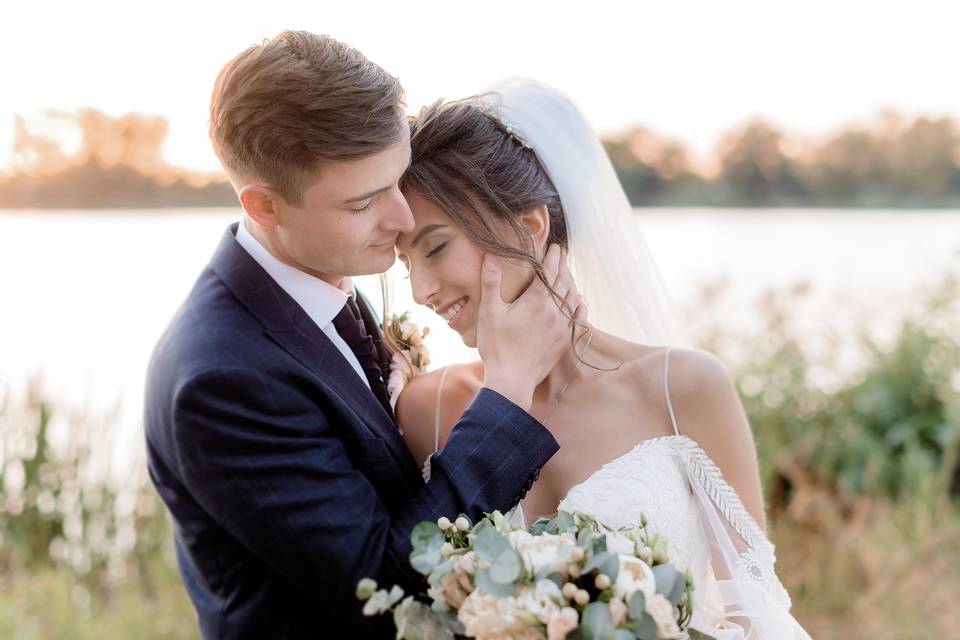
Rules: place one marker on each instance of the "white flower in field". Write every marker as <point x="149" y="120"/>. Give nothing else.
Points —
<point x="665" y="615"/>
<point x="634" y="575"/>
<point x="488" y="617"/>
<point x="562" y="623"/>
<point x="619" y="543"/>
<point x="543" y="600"/>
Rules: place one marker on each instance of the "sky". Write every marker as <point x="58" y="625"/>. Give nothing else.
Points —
<point x="690" y="70"/>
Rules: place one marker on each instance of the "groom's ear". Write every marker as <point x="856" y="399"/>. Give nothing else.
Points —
<point x="258" y="203"/>
<point x="537" y="222"/>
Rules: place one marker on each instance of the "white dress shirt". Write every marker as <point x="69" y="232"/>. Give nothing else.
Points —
<point x="320" y="300"/>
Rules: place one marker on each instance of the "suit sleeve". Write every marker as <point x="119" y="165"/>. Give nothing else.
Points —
<point x="273" y="470"/>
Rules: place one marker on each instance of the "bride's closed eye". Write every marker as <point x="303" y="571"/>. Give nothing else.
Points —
<point x="437" y="249"/>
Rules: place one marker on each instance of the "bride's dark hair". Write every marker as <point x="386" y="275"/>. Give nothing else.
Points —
<point x="468" y="164"/>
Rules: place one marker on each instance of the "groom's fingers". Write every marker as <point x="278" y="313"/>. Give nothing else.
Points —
<point x="551" y="264"/>
<point x="491" y="275"/>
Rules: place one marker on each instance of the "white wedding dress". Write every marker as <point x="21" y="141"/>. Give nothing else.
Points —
<point x="682" y="492"/>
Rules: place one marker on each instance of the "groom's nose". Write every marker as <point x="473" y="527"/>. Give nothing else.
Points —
<point x="398" y="217"/>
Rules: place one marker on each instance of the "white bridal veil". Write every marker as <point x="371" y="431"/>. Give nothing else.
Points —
<point x="738" y="595"/>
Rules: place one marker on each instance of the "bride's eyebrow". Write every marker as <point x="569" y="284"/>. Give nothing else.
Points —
<point x="427" y="229"/>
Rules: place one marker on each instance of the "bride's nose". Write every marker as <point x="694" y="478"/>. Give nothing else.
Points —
<point x="425" y="287"/>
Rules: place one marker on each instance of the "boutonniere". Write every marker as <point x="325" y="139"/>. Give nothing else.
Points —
<point x="410" y="354"/>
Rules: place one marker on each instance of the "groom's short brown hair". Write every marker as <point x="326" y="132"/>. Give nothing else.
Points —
<point x="283" y="107"/>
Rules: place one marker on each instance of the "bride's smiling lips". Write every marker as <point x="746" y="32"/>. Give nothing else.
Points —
<point x="452" y="312"/>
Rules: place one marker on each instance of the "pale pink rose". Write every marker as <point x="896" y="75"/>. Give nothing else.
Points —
<point x="487" y="617"/>
<point x="407" y="329"/>
<point x="665" y="615"/>
<point x="618" y="611"/>
<point x="562" y="623"/>
<point x="453" y="591"/>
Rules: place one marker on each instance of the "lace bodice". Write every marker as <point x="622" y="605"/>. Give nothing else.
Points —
<point x="656" y="478"/>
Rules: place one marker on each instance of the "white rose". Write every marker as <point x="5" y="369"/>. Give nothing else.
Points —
<point x="619" y="543"/>
<point x="634" y="575"/>
<point x="539" y="552"/>
<point x="665" y="616"/>
<point x="543" y="601"/>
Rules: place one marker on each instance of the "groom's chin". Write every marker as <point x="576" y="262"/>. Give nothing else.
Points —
<point x="377" y="264"/>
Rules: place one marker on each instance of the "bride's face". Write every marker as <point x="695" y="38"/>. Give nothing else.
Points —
<point x="444" y="267"/>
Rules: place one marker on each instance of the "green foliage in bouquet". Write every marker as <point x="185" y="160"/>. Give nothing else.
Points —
<point x="566" y="577"/>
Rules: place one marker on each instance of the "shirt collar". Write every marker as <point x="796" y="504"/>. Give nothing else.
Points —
<point x="320" y="300"/>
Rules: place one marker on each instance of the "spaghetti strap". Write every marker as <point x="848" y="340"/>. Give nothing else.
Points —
<point x="666" y="392"/>
<point x="436" y="413"/>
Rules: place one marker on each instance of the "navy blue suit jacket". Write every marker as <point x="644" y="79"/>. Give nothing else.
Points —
<point x="286" y="479"/>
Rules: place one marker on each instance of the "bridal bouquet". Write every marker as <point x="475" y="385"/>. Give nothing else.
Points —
<point x="569" y="575"/>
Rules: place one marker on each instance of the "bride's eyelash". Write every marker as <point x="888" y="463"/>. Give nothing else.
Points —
<point x="437" y="249"/>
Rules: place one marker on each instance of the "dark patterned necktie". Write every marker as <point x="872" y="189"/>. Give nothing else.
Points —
<point x="350" y="326"/>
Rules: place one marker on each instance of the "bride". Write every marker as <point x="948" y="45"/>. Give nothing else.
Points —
<point x="646" y="425"/>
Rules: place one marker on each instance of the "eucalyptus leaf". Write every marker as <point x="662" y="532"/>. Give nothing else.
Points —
<point x="564" y="522"/>
<point x="415" y="621"/>
<point x="646" y="628"/>
<point x="507" y="567"/>
<point x="426" y="534"/>
<point x="611" y="567"/>
<point x="621" y="634"/>
<point x="427" y="540"/>
<point x="598" y="560"/>
<point x="489" y="543"/>
<point x="595" y="622"/>
<point x="636" y="605"/>
<point x="698" y="635"/>
<point x="539" y="526"/>
<point x="666" y="576"/>
<point x="485" y="582"/>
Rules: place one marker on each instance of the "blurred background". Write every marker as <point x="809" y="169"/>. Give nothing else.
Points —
<point x="795" y="169"/>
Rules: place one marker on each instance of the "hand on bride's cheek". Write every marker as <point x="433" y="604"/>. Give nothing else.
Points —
<point x="444" y="266"/>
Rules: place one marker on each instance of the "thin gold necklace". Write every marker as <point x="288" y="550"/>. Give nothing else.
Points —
<point x="572" y="376"/>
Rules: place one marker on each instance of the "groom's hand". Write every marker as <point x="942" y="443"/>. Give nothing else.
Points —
<point x="521" y="342"/>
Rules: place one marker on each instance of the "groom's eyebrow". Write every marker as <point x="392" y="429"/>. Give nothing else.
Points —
<point x="427" y="229"/>
<point x="366" y="196"/>
<point x="370" y="194"/>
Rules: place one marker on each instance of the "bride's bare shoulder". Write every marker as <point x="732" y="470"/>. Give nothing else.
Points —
<point x="697" y="379"/>
<point x="417" y="405"/>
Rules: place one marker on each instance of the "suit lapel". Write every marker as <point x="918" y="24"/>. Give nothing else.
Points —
<point x="286" y="323"/>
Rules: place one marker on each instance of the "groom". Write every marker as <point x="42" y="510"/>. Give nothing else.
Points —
<point x="269" y="434"/>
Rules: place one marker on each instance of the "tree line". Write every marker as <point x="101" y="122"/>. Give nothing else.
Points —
<point x="891" y="161"/>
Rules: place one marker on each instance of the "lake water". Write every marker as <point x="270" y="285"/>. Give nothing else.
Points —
<point x="86" y="294"/>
